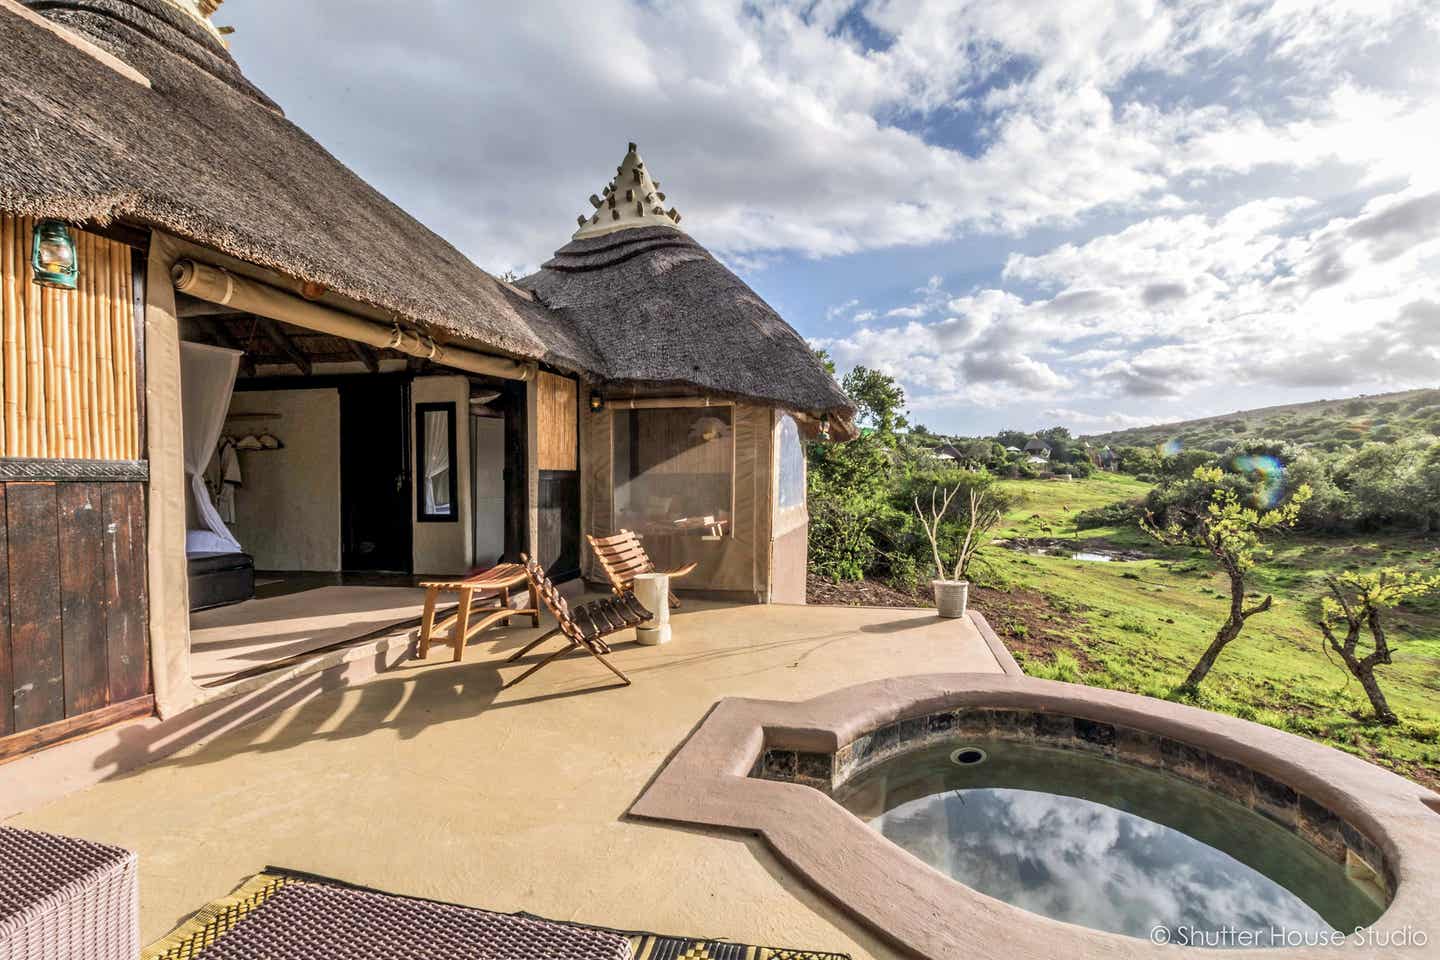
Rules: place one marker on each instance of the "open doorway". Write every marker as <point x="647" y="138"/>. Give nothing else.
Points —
<point x="375" y="475"/>
<point x="317" y="500"/>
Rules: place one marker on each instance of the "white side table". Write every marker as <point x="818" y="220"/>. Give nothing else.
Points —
<point x="653" y="592"/>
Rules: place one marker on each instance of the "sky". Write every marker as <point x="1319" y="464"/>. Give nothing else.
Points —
<point x="1094" y="214"/>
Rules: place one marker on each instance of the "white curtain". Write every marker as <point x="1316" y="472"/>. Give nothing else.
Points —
<point x="207" y="376"/>
<point x="437" y="463"/>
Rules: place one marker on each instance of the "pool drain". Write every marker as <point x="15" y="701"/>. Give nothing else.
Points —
<point x="967" y="756"/>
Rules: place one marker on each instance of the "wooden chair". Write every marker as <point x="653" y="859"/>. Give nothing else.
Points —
<point x="584" y="627"/>
<point x="622" y="556"/>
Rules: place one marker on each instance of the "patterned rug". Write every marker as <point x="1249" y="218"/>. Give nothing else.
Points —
<point x="286" y="913"/>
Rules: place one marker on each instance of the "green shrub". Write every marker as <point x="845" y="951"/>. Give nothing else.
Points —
<point x="1122" y="514"/>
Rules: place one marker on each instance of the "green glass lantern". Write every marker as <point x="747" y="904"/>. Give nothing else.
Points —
<point x="53" y="255"/>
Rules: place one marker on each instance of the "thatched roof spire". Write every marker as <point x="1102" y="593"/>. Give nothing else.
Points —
<point x="632" y="199"/>
<point x="201" y="11"/>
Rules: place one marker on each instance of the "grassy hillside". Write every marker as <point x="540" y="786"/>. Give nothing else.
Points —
<point x="1330" y="424"/>
<point x="1140" y="625"/>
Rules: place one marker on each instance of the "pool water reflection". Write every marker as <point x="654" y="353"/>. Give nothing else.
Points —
<point x="1090" y="841"/>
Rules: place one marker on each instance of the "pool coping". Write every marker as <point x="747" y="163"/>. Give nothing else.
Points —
<point x="707" y="782"/>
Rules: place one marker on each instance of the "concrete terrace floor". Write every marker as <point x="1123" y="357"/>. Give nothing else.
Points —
<point x="428" y="780"/>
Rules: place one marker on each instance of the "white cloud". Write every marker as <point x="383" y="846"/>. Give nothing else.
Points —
<point x="1187" y="307"/>
<point x="1090" y="421"/>
<point x="783" y="131"/>
<point x="840" y="310"/>
<point x="1248" y="188"/>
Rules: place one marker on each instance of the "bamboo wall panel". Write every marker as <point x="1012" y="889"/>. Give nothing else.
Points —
<point x="557" y="401"/>
<point x="73" y="644"/>
<point x="68" y="379"/>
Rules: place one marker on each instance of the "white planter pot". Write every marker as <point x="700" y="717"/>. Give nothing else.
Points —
<point x="951" y="597"/>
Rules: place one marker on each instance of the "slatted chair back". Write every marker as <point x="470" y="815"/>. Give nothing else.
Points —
<point x="551" y="596"/>
<point x="585" y="627"/>
<point x="622" y="557"/>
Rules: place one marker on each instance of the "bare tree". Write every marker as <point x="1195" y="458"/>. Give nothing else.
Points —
<point x="984" y="516"/>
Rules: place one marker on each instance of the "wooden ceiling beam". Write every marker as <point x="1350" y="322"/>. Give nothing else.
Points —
<point x="286" y="346"/>
<point x="217" y="332"/>
<point x="365" y="355"/>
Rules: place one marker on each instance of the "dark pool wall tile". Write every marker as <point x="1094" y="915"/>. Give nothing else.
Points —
<point x="1364" y="848"/>
<point x="1276" y="801"/>
<point x="780" y="764"/>
<point x="939" y="725"/>
<point x="1014" y="724"/>
<point x="1095" y="736"/>
<point x="975" y="723"/>
<point x="815" y="768"/>
<point x="912" y="733"/>
<point x="884" y="741"/>
<point x="1321" y="829"/>
<point x="1138" y="747"/>
<point x="1055" y="731"/>
<point x="1233" y="780"/>
<point x="1185" y="761"/>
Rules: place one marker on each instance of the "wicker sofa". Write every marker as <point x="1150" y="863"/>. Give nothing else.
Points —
<point x="66" y="899"/>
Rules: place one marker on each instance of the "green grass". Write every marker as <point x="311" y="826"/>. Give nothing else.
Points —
<point x="1139" y="626"/>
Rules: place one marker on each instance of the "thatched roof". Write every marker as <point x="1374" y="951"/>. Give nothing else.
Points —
<point x="658" y="307"/>
<point x="204" y="155"/>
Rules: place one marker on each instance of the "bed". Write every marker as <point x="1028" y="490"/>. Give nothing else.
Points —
<point x="218" y="573"/>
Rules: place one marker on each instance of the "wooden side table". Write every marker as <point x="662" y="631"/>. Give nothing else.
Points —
<point x="493" y="585"/>
<point x="653" y="592"/>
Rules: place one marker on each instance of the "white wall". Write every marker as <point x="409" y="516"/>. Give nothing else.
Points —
<point x="444" y="548"/>
<point x="488" y="463"/>
<point x="287" y="511"/>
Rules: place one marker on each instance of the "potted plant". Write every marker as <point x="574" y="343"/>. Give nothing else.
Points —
<point x="952" y="593"/>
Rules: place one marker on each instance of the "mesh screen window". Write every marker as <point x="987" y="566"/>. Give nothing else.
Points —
<point x="674" y="471"/>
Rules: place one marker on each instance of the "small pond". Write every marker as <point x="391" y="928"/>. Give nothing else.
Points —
<point x="1089" y="551"/>
<point x="1088" y="840"/>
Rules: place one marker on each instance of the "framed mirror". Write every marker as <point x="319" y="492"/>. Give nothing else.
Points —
<point x="436" y="475"/>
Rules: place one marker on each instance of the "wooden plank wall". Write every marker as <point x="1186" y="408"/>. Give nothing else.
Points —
<point x="558" y="405"/>
<point x="70" y="380"/>
<point x="73" y="608"/>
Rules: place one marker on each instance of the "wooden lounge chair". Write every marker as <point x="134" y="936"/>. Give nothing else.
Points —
<point x="585" y="627"/>
<point x="622" y="557"/>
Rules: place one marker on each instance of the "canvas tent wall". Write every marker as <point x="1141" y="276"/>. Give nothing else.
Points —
<point x="739" y="562"/>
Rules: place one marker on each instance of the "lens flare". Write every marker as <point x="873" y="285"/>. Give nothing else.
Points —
<point x="1268" y="470"/>
<point x="1171" y="447"/>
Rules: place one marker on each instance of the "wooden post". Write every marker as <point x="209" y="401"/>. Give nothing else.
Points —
<point x="65" y="378"/>
<point x="85" y="304"/>
<point x="9" y="349"/>
<point x="124" y="353"/>
<point x="34" y="374"/>
<point x="48" y="309"/>
<point x="97" y="320"/>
